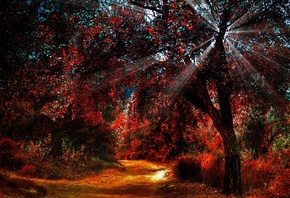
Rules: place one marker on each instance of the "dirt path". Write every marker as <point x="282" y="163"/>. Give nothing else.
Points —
<point x="138" y="179"/>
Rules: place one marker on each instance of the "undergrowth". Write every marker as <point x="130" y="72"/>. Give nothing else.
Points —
<point x="263" y="177"/>
<point x="33" y="159"/>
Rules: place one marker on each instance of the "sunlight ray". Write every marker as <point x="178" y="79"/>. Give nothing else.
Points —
<point x="174" y="90"/>
<point x="210" y="12"/>
<point x="199" y="46"/>
<point x="202" y="44"/>
<point x="176" y="87"/>
<point x="240" y="21"/>
<point x="244" y="31"/>
<point x="263" y="56"/>
<point x="240" y="64"/>
<point x="241" y="15"/>
<point x="208" y="17"/>
<point x="187" y="73"/>
<point x="131" y="68"/>
<point x="261" y="84"/>
<point x="259" y="54"/>
<point x="234" y="17"/>
<point x="234" y="61"/>
<point x="262" y="46"/>
<point x="206" y="52"/>
<point x="276" y="68"/>
<point x="181" y="79"/>
<point x="253" y="12"/>
<point x="255" y="30"/>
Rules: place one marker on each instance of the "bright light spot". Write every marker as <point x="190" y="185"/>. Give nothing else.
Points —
<point x="159" y="175"/>
<point x="287" y="22"/>
<point x="288" y="93"/>
<point x="161" y="56"/>
<point x="203" y="56"/>
<point x="226" y="34"/>
<point x="150" y="15"/>
<point x="213" y="43"/>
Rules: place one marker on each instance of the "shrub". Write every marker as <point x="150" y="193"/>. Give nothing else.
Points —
<point x="212" y="169"/>
<point x="35" y="152"/>
<point x="188" y="168"/>
<point x="285" y="155"/>
<point x="74" y="163"/>
<point x="9" y="155"/>
<point x="279" y="186"/>
<point x="258" y="173"/>
<point x="206" y="168"/>
<point x="27" y="170"/>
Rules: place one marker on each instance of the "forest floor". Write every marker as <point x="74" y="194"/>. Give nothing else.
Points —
<point x="138" y="178"/>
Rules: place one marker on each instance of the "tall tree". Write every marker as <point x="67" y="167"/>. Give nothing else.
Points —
<point x="227" y="46"/>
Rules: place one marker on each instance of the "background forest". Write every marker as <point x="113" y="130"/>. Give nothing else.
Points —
<point x="201" y="84"/>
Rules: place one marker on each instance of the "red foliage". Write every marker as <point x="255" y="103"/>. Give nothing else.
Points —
<point x="206" y="168"/>
<point x="286" y="156"/>
<point x="258" y="173"/>
<point x="93" y="118"/>
<point x="150" y="29"/>
<point x="119" y="122"/>
<point x="27" y="170"/>
<point x="10" y="155"/>
<point x="280" y="185"/>
<point x="212" y="167"/>
<point x="116" y="21"/>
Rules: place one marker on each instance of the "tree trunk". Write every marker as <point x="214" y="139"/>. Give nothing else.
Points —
<point x="232" y="177"/>
<point x="222" y="120"/>
<point x="224" y="124"/>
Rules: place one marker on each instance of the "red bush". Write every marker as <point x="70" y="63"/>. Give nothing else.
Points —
<point x="258" y="173"/>
<point x="212" y="169"/>
<point x="207" y="168"/>
<point x="280" y="186"/>
<point x="9" y="155"/>
<point x="188" y="168"/>
<point x="27" y="170"/>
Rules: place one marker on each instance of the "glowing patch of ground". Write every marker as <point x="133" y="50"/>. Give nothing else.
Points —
<point x="139" y="178"/>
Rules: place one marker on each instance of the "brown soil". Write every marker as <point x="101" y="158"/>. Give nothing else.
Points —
<point x="138" y="179"/>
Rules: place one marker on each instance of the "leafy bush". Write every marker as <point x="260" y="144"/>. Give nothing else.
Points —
<point x="76" y="160"/>
<point x="36" y="152"/>
<point x="60" y="149"/>
<point x="27" y="170"/>
<point x="258" y="173"/>
<point x="212" y="169"/>
<point x="188" y="168"/>
<point x="9" y="155"/>
<point x="285" y="157"/>
<point x="279" y="186"/>
<point x="206" y="168"/>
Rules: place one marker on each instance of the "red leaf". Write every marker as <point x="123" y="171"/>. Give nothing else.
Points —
<point x="150" y="29"/>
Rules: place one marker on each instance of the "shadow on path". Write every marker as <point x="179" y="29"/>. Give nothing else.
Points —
<point x="16" y="187"/>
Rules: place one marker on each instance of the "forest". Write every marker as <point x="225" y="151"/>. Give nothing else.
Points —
<point x="202" y="85"/>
